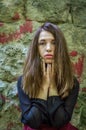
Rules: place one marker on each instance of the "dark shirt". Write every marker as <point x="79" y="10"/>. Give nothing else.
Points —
<point x="54" y="111"/>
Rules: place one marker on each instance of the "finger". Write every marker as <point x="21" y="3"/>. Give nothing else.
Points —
<point x="44" y="69"/>
<point x="48" y="68"/>
<point x="52" y="68"/>
<point x="48" y="71"/>
<point x="41" y="63"/>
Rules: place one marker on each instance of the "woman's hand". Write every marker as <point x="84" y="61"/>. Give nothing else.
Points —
<point x="45" y="81"/>
<point x="48" y="87"/>
<point x="52" y="88"/>
<point x="46" y="75"/>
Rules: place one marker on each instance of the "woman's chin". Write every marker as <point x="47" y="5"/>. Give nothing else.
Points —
<point x="48" y="61"/>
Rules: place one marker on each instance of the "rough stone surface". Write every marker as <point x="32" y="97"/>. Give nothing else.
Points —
<point x="47" y="10"/>
<point x="17" y="28"/>
<point x="11" y="10"/>
<point x="78" y="12"/>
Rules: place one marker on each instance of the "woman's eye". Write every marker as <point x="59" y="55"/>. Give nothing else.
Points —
<point x="53" y="42"/>
<point x="41" y="43"/>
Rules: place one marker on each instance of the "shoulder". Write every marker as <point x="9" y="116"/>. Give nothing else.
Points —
<point x="19" y="82"/>
<point x="20" y="78"/>
<point x="21" y="93"/>
<point x="76" y="82"/>
<point x="76" y="85"/>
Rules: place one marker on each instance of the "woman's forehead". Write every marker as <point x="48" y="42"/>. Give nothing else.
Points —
<point x="46" y="35"/>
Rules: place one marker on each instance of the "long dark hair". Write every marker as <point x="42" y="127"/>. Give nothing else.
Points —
<point x="32" y="72"/>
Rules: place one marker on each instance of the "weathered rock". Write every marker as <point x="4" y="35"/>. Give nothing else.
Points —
<point x="14" y="31"/>
<point x="70" y="16"/>
<point x="75" y="36"/>
<point x="3" y="85"/>
<point x="79" y="116"/>
<point x="12" y="61"/>
<point x="47" y="10"/>
<point x="11" y="117"/>
<point x="78" y="12"/>
<point x="11" y="11"/>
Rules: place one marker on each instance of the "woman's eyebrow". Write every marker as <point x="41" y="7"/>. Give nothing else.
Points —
<point x="46" y="39"/>
<point x="42" y="40"/>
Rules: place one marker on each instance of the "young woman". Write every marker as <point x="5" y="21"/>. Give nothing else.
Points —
<point x="47" y="89"/>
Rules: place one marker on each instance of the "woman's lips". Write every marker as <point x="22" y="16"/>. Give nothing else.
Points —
<point x="48" y="56"/>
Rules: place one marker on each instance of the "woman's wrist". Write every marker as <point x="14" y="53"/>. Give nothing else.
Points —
<point x="53" y="92"/>
<point x="43" y="94"/>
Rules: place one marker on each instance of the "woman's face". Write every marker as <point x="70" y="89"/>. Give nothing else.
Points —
<point x="46" y="46"/>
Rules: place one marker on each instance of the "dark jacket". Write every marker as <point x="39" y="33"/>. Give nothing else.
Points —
<point x="54" y="111"/>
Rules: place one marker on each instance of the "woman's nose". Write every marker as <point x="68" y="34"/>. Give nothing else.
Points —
<point x="48" y="47"/>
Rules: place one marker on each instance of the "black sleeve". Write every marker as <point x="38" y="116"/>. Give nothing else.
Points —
<point x="32" y="110"/>
<point x="60" y="111"/>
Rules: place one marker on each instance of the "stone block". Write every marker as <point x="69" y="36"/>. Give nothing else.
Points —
<point x="47" y="10"/>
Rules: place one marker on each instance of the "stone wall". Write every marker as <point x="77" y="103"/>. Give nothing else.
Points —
<point x="19" y="20"/>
